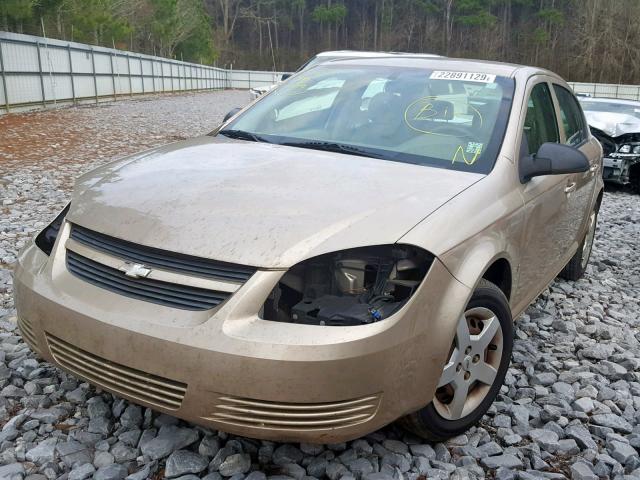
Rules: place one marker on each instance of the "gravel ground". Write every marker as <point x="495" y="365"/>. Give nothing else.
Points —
<point x="570" y="407"/>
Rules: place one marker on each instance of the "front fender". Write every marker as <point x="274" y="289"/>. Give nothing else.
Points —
<point x="477" y="227"/>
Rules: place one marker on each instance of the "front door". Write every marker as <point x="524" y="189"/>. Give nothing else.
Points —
<point x="548" y="232"/>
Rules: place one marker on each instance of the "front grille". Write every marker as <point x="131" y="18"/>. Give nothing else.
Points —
<point x="117" y="378"/>
<point x="154" y="257"/>
<point x="27" y="334"/>
<point x="155" y="291"/>
<point x="294" y="416"/>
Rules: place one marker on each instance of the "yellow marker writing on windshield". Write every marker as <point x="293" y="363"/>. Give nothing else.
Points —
<point x="426" y="112"/>
<point x="460" y="152"/>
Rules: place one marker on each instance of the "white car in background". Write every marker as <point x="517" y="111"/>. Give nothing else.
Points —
<point x="615" y="122"/>
<point x="323" y="57"/>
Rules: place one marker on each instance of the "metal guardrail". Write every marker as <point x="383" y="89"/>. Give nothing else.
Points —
<point x="36" y="71"/>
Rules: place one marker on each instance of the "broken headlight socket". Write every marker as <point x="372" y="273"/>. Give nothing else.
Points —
<point x="625" y="148"/>
<point x="350" y="287"/>
<point x="636" y="149"/>
<point x="47" y="237"/>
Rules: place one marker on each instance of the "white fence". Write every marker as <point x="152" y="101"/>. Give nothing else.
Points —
<point x="611" y="90"/>
<point x="37" y="71"/>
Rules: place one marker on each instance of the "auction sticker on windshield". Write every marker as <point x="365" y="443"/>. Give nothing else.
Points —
<point x="468" y="76"/>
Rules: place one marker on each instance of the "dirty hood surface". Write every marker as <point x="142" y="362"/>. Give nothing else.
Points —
<point x="613" y="124"/>
<point x="259" y="204"/>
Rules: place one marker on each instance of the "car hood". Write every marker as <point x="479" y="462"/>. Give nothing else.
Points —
<point x="613" y="124"/>
<point x="259" y="204"/>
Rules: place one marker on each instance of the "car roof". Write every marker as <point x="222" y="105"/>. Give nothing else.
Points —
<point x="447" y="63"/>
<point x="368" y="54"/>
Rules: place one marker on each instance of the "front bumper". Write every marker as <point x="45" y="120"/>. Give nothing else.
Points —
<point x="232" y="370"/>
<point x="617" y="170"/>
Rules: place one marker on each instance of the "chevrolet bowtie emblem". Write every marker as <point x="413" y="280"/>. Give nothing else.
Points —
<point x="135" y="270"/>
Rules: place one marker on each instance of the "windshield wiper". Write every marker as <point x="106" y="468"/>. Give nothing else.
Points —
<point x="242" y="135"/>
<point x="336" y="147"/>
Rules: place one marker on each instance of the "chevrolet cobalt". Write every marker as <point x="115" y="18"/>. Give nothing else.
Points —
<point x="349" y="250"/>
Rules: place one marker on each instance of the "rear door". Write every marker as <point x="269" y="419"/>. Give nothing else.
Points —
<point x="574" y="131"/>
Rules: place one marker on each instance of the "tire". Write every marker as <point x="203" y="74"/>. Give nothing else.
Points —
<point x="634" y="178"/>
<point x="431" y="422"/>
<point x="574" y="270"/>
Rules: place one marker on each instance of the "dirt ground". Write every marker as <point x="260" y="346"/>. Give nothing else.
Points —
<point x="99" y="133"/>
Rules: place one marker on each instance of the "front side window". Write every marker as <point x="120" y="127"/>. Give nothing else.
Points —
<point x="540" y="125"/>
<point x="571" y="115"/>
<point x="453" y="120"/>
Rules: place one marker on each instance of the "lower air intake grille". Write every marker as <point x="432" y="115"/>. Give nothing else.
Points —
<point x="27" y="334"/>
<point x="163" y="293"/>
<point x="117" y="378"/>
<point x="294" y="416"/>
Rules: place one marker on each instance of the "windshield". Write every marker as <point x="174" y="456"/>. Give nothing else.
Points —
<point x="453" y="120"/>
<point x="611" y="107"/>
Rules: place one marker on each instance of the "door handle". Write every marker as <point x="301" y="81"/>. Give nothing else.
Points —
<point x="571" y="187"/>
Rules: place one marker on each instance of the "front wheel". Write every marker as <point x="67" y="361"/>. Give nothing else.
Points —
<point x="475" y="370"/>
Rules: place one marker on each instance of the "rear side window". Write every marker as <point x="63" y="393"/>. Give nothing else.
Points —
<point x="540" y="124"/>
<point x="571" y="116"/>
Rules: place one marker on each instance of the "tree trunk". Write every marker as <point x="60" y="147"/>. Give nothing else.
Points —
<point x="375" y="27"/>
<point x="301" y="22"/>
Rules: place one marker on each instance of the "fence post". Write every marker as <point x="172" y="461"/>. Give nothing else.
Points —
<point x="4" y="81"/>
<point x="93" y="69"/>
<point x="129" y="71"/>
<point x="162" y="76"/>
<point x="44" y="101"/>
<point x="153" y="76"/>
<point x="113" y="77"/>
<point x="249" y="73"/>
<point x="73" y="86"/>
<point x="141" y="74"/>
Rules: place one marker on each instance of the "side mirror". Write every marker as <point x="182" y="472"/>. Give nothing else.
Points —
<point x="231" y="113"/>
<point x="285" y="76"/>
<point x="553" y="159"/>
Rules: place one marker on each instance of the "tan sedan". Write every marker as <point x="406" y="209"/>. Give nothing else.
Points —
<point x="349" y="250"/>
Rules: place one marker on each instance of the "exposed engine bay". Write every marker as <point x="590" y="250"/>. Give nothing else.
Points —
<point x="616" y="124"/>
<point x="348" y="288"/>
<point x="621" y="156"/>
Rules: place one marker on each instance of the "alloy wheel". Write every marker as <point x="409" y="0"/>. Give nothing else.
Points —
<point x="473" y="364"/>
